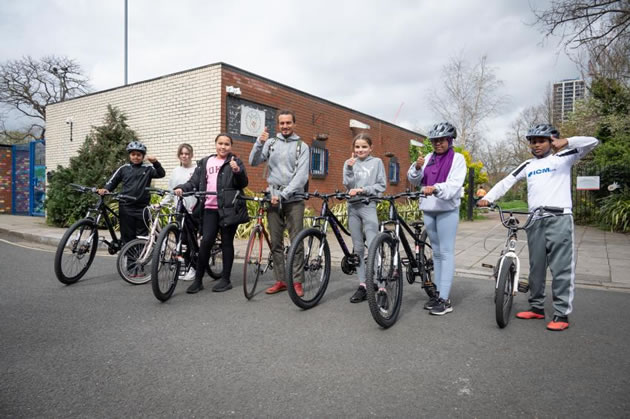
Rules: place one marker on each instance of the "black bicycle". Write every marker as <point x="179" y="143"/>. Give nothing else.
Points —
<point x="77" y="248"/>
<point x="384" y="269"/>
<point x="178" y="239"/>
<point x="310" y="251"/>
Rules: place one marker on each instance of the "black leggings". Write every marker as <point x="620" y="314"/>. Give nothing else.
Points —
<point x="210" y="229"/>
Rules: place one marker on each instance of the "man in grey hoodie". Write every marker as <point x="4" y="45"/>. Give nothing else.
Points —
<point x="287" y="163"/>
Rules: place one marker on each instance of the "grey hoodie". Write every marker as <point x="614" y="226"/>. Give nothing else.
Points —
<point x="368" y="174"/>
<point x="280" y="155"/>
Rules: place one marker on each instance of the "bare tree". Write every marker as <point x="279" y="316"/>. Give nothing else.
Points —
<point x="467" y="97"/>
<point x="595" y="24"/>
<point x="27" y="86"/>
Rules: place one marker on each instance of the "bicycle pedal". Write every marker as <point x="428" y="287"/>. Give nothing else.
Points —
<point x="404" y="261"/>
<point x="487" y="265"/>
<point x="523" y="286"/>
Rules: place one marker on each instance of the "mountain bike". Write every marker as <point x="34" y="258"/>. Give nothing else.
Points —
<point x="507" y="269"/>
<point x="384" y="270"/>
<point x="258" y="258"/>
<point x="77" y="248"/>
<point x="135" y="256"/>
<point x="176" y="240"/>
<point x="312" y="243"/>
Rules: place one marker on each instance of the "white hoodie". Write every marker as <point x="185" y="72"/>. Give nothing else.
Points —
<point x="447" y="195"/>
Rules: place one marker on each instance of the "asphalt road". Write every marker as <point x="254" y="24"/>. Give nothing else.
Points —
<point x="104" y="348"/>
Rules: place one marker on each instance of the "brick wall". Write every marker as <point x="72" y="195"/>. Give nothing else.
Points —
<point x="315" y="116"/>
<point x="5" y="179"/>
<point x="164" y="112"/>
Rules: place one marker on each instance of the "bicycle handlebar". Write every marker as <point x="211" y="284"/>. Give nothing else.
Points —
<point x="541" y="211"/>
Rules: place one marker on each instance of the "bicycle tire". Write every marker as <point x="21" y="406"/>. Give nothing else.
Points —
<point x="215" y="263"/>
<point x="129" y="269"/>
<point x="504" y="292"/>
<point x="165" y="264"/>
<point x="82" y="251"/>
<point x="426" y="255"/>
<point x="313" y="287"/>
<point x="253" y="262"/>
<point x="384" y="281"/>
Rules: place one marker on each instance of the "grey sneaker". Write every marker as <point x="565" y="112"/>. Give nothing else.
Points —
<point x="441" y="308"/>
<point x="431" y="303"/>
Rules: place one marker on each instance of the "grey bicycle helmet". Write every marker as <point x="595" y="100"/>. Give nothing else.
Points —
<point x="443" y="129"/>
<point x="136" y="146"/>
<point x="543" y="130"/>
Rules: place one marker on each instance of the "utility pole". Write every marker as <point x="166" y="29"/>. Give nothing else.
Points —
<point x="126" y="41"/>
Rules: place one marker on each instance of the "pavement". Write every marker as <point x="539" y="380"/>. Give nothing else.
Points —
<point x="603" y="258"/>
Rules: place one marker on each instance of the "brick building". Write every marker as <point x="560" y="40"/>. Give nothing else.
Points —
<point x="193" y="106"/>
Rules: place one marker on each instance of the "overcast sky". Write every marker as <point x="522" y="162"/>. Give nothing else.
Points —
<point x="369" y="55"/>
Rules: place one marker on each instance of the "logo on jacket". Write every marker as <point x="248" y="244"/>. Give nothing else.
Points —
<point x="540" y="171"/>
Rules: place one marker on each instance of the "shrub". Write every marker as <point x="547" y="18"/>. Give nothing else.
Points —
<point x="615" y="211"/>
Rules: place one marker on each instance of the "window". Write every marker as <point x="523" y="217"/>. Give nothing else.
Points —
<point x="394" y="171"/>
<point x="319" y="160"/>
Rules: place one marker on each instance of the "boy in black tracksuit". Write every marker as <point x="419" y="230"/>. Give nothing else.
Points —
<point x="135" y="177"/>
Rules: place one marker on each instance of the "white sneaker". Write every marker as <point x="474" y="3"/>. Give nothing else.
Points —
<point x="188" y="276"/>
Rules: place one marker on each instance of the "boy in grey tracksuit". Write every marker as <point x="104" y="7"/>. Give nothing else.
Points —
<point x="287" y="163"/>
<point x="363" y="175"/>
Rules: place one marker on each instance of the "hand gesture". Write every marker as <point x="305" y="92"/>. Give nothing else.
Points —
<point x="151" y="159"/>
<point x="483" y="203"/>
<point x="178" y="192"/>
<point x="350" y="162"/>
<point x="264" y="136"/>
<point x="419" y="161"/>
<point x="558" y="144"/>
<point x="234" y="165"/>
<point x="428" y="190"/>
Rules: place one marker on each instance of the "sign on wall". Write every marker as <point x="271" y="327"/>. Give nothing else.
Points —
<point x="587" y="183"/>
<point x="246" y="120"/>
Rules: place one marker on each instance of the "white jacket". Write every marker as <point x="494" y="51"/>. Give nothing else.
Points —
<point x="447" y="195"/>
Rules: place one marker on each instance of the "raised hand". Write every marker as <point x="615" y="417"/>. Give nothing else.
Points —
<point x="234" y="165"/>
<point x="558" y="144"/>
<point x="264" y="136"/>
<point x="419" y="161"/>
<point x="152" y="159"/>
<point x="350" y="162"/>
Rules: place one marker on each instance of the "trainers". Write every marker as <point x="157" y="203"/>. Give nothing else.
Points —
<point x="188" y="276"/>
<point x="432" y="302"/>
<point x="222" y="285"/>
<point x="441" y="307"/>
<point x="195" y="287"/>
<point x="359" y="295"/>
<point x="558" y="324"/>
<point x="277" y="287"/>
<point x="297" y="286"/>
<point x="533" y="313"/>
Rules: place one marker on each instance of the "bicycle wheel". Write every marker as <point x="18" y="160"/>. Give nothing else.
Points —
<point x="309" y="253"/>
<point x="165" y="264"/>
<point x="76" y="250"/>
<point x="215" y="263"/>
<point x="426" y="260"/>
<point x="134" y="262"/>
<point x="504" y="292"/>
<point x="252" y="268"/>
<point x="384" y="280"/>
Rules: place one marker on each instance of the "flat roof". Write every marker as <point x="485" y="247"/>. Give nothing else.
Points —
<point x="252" y="75"/>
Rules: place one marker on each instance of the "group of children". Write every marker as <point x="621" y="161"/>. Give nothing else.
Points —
<point x="440" y="175"/>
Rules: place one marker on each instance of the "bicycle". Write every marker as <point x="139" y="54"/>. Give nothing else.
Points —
<point x="77" y="248"/>
<point x="257" y="261"/>
<point x="313" y="243"/>
<point x="507" y="270"/>
<point x="136" y="254"/>
<point x="384" y="279"/>
<point x="168" y="261"/>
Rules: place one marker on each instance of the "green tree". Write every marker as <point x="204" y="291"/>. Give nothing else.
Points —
<point x="103" y="151"/>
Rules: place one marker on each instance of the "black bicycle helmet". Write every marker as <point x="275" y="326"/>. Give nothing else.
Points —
<point x="443" y="129"/>
<point x="136" y="146"/>
<point x="543" y="130"/>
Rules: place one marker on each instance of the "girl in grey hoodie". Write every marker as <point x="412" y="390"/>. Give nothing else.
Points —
<point x="362" y="175"/>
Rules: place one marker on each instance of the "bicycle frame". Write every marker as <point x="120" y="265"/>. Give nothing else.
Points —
<point x="328" y="218"/>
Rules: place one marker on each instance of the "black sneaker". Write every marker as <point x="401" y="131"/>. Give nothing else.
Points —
<point x="359" y="295"/>
<point x="432" y="302"/>
<point x="442" y="307"/>
<point x="222" y="285"/>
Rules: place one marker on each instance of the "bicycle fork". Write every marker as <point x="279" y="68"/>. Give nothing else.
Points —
<point x="517" y="264"/>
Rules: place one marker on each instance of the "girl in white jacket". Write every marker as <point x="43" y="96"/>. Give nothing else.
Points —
<point x="441" y="176"/>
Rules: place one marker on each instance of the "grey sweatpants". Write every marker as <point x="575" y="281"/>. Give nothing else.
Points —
<point x="290" y="217"/>
<point x="363" y="222"/>
<point x="550" y="243"/>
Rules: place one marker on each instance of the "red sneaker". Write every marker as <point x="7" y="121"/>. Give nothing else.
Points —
<point x="530" y="314"/>
<point x="558" y="324"/>
<point x="277" y="287"/>
<point x="297" y="286"/>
